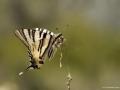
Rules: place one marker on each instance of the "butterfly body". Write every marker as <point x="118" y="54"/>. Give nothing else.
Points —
<point x="41" y="44"/>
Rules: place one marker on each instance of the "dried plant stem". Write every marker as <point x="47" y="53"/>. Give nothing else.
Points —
<point x="69" y="78"/>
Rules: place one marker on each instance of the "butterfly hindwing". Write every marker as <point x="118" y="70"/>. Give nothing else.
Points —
<point x="51" y="52"/>
<point x="53" y="48"/>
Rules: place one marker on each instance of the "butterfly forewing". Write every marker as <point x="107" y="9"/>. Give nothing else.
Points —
<point x="20" y="35"/>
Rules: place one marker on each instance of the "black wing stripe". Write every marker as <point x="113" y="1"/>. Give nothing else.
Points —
<point x="56" y="38"/>
<point x="50" y="52"/>
<point x="48" y="45"/>
<point x="43" y="34"/>
<point x="29" y="33"/>
<point x="40" y="41"/>
<point x="23" y="34"/>
<point x="33" y="35"/>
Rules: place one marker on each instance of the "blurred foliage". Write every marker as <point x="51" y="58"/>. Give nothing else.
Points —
<point x="91" y="51"/>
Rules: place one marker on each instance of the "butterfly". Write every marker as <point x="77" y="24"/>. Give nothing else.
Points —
<point x="41" y="44"/>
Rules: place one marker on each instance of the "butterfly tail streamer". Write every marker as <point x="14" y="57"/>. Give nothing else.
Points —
<point x="26" y="70"/>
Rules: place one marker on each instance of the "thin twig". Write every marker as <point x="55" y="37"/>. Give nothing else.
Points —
<point x="69" y="78"/>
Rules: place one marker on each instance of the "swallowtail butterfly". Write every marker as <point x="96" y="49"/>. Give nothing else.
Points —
<point x="41" y="44"/>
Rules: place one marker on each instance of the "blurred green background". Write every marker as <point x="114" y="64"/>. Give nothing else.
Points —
<point x="91" y="51"/>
